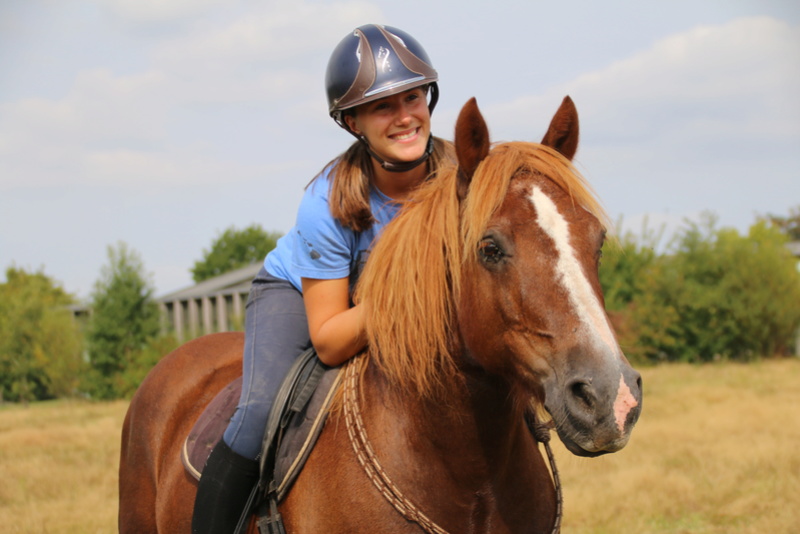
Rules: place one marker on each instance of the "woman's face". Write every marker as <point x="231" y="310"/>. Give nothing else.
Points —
<point x="397" y="127"/>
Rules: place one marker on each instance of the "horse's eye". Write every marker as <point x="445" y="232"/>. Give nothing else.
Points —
<point x="490" y="251"/>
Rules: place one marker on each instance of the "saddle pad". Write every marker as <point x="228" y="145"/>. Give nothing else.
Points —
<point x="208" y="429"/>
<point x="296" y="443"/>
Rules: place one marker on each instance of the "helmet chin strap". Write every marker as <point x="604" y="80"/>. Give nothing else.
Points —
<point x="400" y="166"/>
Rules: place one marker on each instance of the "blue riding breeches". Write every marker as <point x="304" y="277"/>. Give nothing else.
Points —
<point x="276" y="333"/>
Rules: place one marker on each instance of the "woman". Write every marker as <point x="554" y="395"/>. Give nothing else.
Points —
<point x="378" y="83"/>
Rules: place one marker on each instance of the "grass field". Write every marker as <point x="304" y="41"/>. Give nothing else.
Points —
<point x="716" y="451"/>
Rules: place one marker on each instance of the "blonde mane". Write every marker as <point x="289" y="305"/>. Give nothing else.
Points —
<point x="410" y="284"/>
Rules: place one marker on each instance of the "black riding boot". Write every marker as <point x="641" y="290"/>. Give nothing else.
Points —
<point x="223" y="490"/>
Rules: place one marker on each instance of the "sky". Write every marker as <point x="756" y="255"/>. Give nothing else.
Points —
<point x="161" y="123"/>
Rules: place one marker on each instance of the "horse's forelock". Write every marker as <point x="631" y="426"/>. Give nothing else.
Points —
<point x="493" y="177"/>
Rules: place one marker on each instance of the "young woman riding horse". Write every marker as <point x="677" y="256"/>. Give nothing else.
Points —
<point x="480" y="303"/>
<point x="377" y="82"/>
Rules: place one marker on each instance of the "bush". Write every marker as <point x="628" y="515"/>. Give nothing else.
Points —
<point x="40" y="342"/>
<point x="715" y="295"/>
<point x="625" y="260"/>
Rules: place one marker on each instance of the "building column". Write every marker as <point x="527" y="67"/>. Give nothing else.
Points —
<point x="208" y="316"/>
<point x="177" y="319"/>
<point x="222" y="314"/>
<point x="194" y="318"/>
<point x="238" y="310"/>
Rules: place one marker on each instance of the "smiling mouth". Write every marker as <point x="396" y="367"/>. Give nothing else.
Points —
<point x="404" y="136"/>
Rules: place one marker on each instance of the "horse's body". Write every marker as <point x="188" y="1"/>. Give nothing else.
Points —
<point x="482" y="299"/>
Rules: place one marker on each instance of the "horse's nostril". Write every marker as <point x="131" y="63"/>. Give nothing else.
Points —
<point x="583" y="392"/>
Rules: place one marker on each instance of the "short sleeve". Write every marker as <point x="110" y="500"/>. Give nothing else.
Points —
<point x="322" y="246"/>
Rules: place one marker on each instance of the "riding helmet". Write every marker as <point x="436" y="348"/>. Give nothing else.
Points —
<point x="374" y="62"/>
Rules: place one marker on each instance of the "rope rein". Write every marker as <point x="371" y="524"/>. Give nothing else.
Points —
<point x="380" y="479"/>
<point x="369" y="461"/>
<point x="541" y="433"/>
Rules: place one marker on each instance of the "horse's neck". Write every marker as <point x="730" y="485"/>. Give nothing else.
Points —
<point x="474" y="419"/>
<point x="467" y="456"/>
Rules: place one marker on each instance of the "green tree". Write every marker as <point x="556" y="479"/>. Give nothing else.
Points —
<point x="719" y="294"/>
<point x="232" y="249"/>
<point x="40" y="342"/>
<point x="124" y="321"/>
<point x="627" y="264"/>
<point x="625" y="260"/>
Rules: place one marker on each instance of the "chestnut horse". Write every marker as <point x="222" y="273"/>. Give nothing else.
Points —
<point x="483" y="302"/>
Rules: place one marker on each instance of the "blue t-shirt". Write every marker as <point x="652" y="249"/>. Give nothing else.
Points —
<point x="319" y="246"/>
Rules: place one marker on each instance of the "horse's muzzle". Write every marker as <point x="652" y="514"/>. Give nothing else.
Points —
<point x="594" y="413"/>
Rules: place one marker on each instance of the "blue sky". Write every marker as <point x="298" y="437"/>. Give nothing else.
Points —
<point x="162" y="123"/>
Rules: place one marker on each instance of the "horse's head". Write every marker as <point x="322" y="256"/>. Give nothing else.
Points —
<point x="531" y="308"/>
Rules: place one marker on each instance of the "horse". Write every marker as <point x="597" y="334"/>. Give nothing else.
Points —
<point x="484" y="306"/>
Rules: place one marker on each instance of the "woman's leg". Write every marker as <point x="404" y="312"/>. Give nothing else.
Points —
<point x="222" y="492"/>
<point x="276" y="333"/>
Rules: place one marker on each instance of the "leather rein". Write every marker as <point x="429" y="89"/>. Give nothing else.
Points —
<point x="375" y="472"/>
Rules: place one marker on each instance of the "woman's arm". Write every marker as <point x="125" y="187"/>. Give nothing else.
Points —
<point x="337" y="330"/>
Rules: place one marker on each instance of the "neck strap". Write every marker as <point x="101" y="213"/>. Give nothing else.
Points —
<point x="402" y="166"/>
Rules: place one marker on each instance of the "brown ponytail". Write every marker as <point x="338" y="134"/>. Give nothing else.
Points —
<point x="352" y="175"/>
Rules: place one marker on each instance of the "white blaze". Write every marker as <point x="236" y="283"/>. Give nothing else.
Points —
<point x="571" y="275"/>
<point x="583" y="299"/>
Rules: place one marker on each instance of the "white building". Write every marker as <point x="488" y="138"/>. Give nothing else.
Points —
<point x="213" y="305"/>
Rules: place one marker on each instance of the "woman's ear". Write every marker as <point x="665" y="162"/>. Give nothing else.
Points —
<point x="350" y="121"/>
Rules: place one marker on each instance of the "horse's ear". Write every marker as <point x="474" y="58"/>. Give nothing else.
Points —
<point x="472" y="143"/>
<point x="562" y="135"/>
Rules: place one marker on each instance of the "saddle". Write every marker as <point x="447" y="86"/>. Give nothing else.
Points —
<point x="295" y="422"/>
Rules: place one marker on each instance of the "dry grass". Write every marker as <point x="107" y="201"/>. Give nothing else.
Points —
<point x="58" y="467"/>
<point x="715" y="452"/>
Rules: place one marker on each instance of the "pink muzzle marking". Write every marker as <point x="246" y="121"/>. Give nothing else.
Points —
<point x="623" y="404"/>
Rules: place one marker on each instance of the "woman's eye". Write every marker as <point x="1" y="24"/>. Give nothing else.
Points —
<point x="490" y="251"/>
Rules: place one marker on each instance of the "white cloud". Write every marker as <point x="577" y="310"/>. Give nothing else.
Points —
<point x="710" y="80"/>
<point x="162" y="10"/>
<point x="277" y="32"/>
<point x="708" y="119"/>
<point x="46" y="141"/>
<point x="125" y="129"/>
<point x="275" y="52"/>
<point x="99" y="106"/>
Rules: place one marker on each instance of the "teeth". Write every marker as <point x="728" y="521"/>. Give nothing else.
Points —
<point x="401" y="137"/>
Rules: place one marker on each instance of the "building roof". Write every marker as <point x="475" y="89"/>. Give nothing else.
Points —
<point x="237" y="281"/>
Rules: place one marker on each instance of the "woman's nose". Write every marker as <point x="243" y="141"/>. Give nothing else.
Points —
<point x="403" y="115"/>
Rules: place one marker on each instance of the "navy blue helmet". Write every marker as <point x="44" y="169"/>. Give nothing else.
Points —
<point x="374" y="62"/>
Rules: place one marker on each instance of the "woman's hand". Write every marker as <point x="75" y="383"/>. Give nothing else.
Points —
<point x="336" y="329"/>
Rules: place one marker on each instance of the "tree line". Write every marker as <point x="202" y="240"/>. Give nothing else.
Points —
<point x="712" y="294"/>
<point x="45" y="352"/>
<point x="709" y="294"/>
